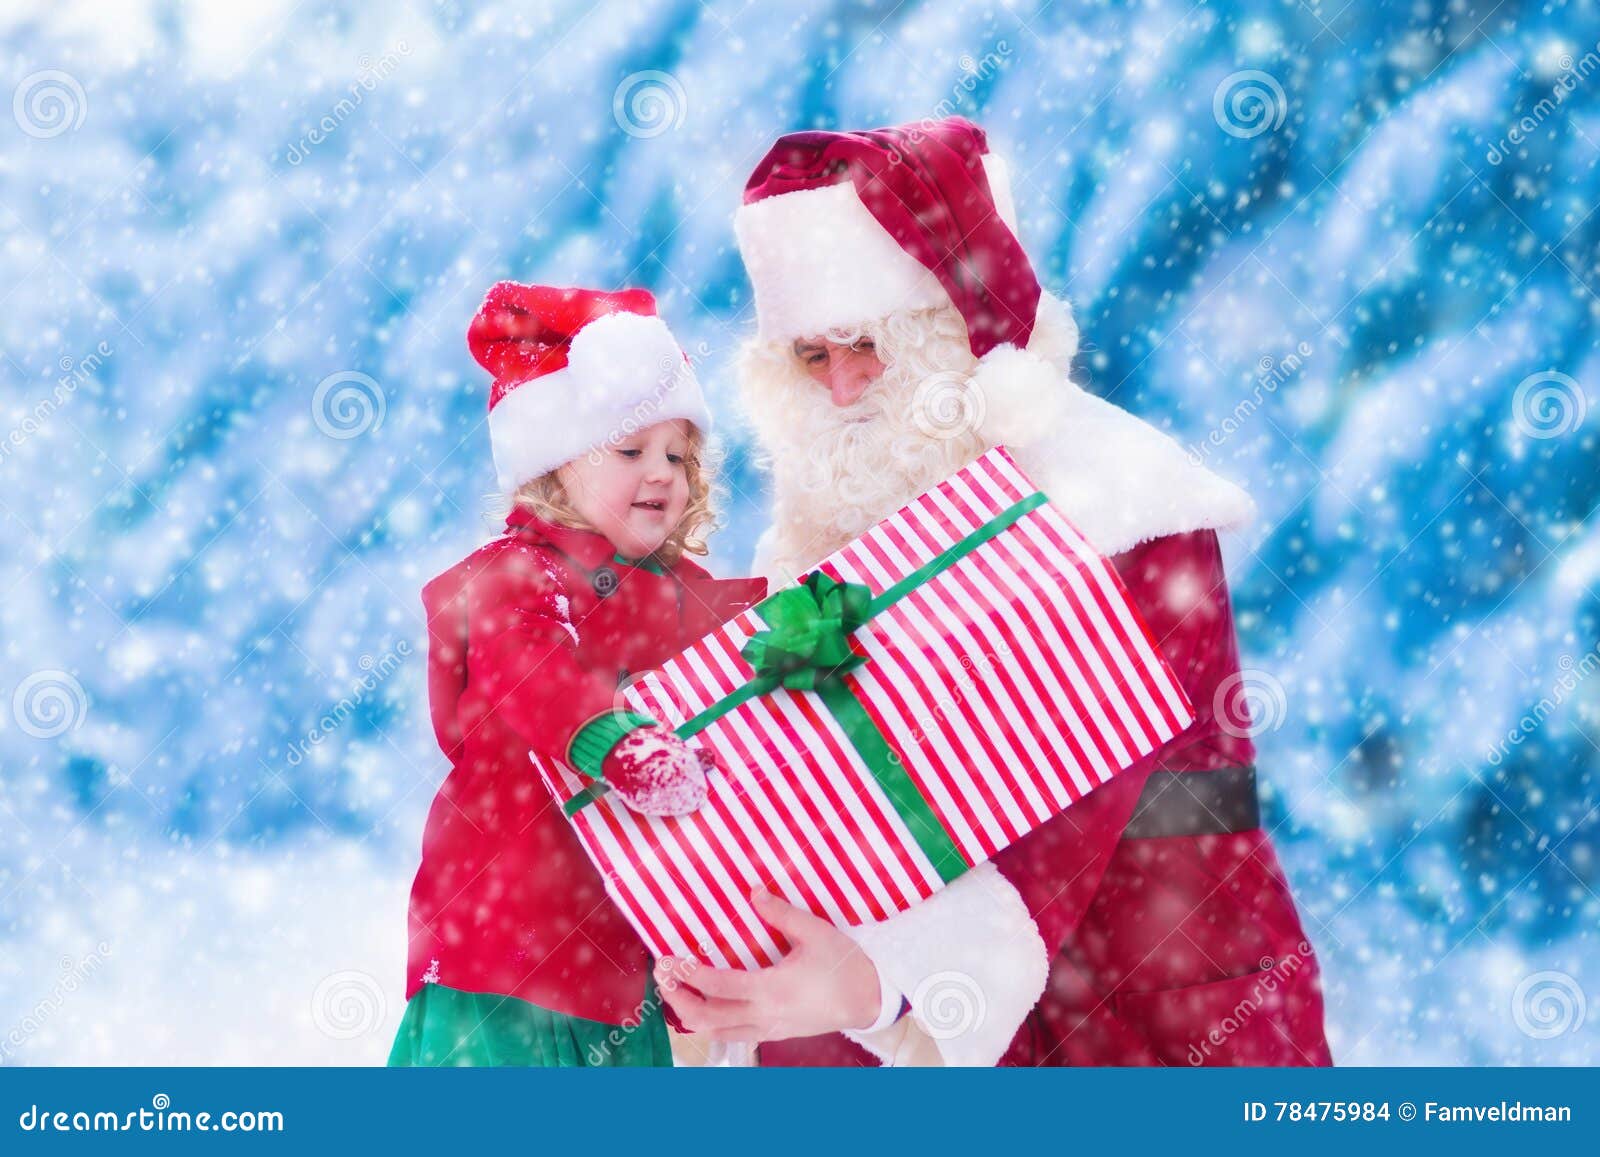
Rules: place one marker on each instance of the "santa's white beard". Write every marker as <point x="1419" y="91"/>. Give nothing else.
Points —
<point x="838" y="470"/>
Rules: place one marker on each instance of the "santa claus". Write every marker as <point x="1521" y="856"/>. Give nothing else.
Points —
<point x="901" y="333"/>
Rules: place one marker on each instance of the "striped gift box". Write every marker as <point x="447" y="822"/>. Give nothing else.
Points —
<point x="999" y="691"/>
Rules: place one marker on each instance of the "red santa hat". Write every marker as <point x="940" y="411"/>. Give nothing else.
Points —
<point x="574" y="369"/>
<point x="842" y="228"/>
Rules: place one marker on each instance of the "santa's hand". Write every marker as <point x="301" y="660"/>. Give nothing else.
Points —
<point x="655" y="773"/>
<point x="824" y="984"/>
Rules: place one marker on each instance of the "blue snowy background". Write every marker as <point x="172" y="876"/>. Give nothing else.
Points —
<point x="1348" y="253"/>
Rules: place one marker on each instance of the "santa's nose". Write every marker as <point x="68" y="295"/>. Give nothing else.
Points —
<point x="846" y="382"/>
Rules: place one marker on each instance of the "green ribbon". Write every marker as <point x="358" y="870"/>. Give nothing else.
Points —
<point x="807" y="648"/>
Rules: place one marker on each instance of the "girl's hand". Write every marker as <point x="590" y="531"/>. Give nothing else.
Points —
<point x="824" y="984"/>
<point x="657" y="774"/>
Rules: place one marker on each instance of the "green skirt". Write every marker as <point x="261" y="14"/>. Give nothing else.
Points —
<point x="445" y="1026"/>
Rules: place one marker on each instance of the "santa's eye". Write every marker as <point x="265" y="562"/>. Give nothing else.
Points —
<point x="809" y="354"/>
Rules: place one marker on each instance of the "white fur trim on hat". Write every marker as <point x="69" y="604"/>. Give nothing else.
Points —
<point x="818" y="260"/>
<point x="624" y="372"/>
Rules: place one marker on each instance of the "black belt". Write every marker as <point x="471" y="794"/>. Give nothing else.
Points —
<point x="1196" y="803"/>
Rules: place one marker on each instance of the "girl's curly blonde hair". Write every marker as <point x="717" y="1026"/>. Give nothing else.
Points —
<point x="546" y="498"/>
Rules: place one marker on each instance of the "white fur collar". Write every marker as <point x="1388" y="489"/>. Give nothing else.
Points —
<point x="1123" y="482"/>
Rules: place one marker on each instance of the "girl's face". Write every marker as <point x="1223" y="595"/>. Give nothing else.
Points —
<point x="633" y="491"/>
<point x="846" y="370"/>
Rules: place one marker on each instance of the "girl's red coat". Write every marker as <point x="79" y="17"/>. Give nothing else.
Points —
<point x="522" y="652"/>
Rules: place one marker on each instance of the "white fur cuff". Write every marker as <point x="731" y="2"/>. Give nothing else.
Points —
<point x="971" y="960"/>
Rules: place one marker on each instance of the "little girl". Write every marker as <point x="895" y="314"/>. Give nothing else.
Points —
<point x="517" y="956"/>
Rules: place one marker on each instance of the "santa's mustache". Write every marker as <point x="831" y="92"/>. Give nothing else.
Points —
<point x="839" y="469"/>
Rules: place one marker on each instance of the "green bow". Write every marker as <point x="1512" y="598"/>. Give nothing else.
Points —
<point x="808" y="643"/>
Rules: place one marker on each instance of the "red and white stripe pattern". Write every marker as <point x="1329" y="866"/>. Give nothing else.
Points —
<point x="1012" y="684"/>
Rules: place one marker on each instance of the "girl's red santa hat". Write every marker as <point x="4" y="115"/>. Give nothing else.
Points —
<point x="574" y="369"/>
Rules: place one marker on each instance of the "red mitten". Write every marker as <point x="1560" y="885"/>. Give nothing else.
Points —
<point x="657" y="774"/>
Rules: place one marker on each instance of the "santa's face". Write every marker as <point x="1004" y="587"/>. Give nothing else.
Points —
<point x="850" y="426"/>
<point x="845" y="371"/>
<point x="856" y="423"/>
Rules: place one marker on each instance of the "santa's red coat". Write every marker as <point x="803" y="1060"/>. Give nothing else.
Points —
<point x="522" y="652"/>
<point x="1177" y="950"/>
